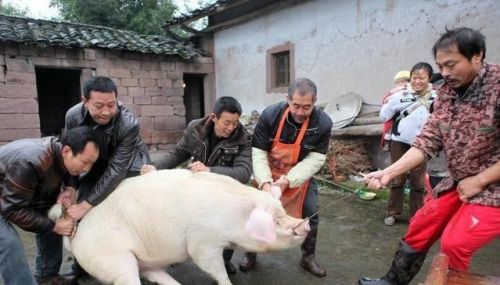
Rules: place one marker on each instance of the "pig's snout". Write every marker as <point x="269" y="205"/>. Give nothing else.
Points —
<point x="302" y="228"/>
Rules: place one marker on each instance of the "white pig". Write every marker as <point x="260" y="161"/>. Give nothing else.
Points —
<point x="168" y="216"/>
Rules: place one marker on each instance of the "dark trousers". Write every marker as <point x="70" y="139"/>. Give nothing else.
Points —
<point x="311" y="204"/>
<point x="416" y="178"/>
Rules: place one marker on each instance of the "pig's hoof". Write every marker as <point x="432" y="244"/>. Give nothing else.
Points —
<point x="248" y="262"/>
<point x="230" y="269"/>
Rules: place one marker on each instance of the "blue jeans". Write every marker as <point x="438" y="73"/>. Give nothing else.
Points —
<point x="48" y="258"/>
<point x="14" y="267"/>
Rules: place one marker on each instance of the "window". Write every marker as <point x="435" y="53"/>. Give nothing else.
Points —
<point x="280" y="68"/>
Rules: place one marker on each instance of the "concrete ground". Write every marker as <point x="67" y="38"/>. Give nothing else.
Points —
<point x="353" y="241"/>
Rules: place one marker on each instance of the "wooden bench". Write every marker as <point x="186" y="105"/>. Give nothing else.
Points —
<point x="439" y="274"/>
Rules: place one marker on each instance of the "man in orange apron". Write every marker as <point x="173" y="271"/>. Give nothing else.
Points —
<point x="289" y="146"/>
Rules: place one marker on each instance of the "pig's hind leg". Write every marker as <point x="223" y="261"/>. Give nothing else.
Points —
<point x="209" y="259"/>
<point x="118" y="269"/>
<point x="159" y="276"/>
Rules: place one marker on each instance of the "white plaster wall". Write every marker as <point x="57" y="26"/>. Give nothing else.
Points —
<point x="345" y="45"/>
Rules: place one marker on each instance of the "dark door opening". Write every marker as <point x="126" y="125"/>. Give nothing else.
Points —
<point x="58" y="90"/>
<point x="194" y="96"/>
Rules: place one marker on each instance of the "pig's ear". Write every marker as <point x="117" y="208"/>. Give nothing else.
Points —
<point x="261" y="226"/>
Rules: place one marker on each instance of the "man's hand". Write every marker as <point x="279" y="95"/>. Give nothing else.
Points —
<point x="469" y="187"/>
<point x="377" y="179"/>
<point x="65" y="227"/>
<point x="198" y="166"/>
<point x="67" y="197"/>
<point x="283" y="183"/>
<point x="79" y="210"/>
<point x="146" y="168"/>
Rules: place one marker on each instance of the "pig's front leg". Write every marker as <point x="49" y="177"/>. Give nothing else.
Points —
<point x="159" y="276"/>
<point x="209" y="259"/>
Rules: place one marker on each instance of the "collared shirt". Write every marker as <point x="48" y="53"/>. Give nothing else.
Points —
<point x="467" y="128"/>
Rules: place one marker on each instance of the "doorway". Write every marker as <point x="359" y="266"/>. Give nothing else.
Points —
<point x="194" y="97"/>
<point x="58" y="90"/>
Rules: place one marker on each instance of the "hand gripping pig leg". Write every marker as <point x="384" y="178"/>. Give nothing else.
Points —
<point x="209" y="259"/>
<point x="160" y="277"/>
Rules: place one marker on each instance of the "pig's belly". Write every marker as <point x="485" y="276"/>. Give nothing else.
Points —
<point x="161" y="256"/>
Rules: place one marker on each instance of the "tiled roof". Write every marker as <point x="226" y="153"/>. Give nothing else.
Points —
<point x="197" y="13"/>
<point x="43" y="33"/>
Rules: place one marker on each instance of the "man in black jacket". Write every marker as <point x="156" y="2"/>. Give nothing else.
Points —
<point x="31" y="178"/>
<point x="217" y="143"/>
<point x="122" y="150"/>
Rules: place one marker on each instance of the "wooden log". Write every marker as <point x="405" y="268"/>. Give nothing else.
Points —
<point x="361" y="121"/>
<point x="366" y="130"/>
<point x="439" y="271"/>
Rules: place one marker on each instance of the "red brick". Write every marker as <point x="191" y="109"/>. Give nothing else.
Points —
<point x="122" y="91"/>
<point x="20" y="64"/>
<point x="204" y="60"/>
<point x="166" y="137"/>
<point x="153" y="91"/>
<point x="89" y="54"/>
<point x="8" y="135"/>
<point x="146" y="123"/>
<point x="157" y="110"/>
<point x="167" y="66"/>
<point x="175" y="75"/>
<point x="169" y="91"/>
<point x="18" y="90"/>
<point x="147" y="82"/>
<point x="135" y="91"/>
<point x="131" y="64"/>
<point x="154" y="74"/>
<point x="18" y="106"/>
<point x="178" y="83"/>
<point x="118" y="64"/>
<point x="99" y="53"/>
<point x="46" y="52"/>
<point x="159" y="100"/>
<point x="149" y="65"/>
<point x="146" y="136"/>
<point x="46" y="61"/>
<point x="19" y="121"/>
<point x="112" y="54"/>
<point x="165" y="82"/>
<point x="124" y="99"/>
<point x="104" y="62"/>
<point x="102" y="71"/>
<point x="20" y="77"/>
<point x="120" y="73"/>
<point x="130" y="82"/>
<point x="142" y="100"/>
<point x="140" y="74"/>
<point x="180" y="110"/>
<point x="170" y="122"/>
<point x="175" y="100"/>
<point x="69" y="53"/>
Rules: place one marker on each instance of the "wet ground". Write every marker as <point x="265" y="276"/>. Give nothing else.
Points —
<point x="353" y="241"/>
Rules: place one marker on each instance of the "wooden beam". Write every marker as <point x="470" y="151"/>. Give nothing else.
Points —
<point x="361" y="121"/>
<point x="366" y="130"/>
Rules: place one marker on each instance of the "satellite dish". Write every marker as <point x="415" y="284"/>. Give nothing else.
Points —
<point x="343" y="109"/>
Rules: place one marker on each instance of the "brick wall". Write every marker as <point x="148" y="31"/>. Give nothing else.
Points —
<point x="149" y="85"/>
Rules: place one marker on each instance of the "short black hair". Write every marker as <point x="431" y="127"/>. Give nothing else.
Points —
<point x="227" y="104"/>
<point x="77" y="138"/>
<point x="422" y="65"/>
<point x="99" y="83"/>
<point x="469" y="42"/>
<point x="303" y="86"/>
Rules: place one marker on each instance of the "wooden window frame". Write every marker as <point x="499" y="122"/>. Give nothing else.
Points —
<point x="271" y="67"/>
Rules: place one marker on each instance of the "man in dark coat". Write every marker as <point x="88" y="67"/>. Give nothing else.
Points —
<point x="217" y="143"/>
<point x="32" y="172"/>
